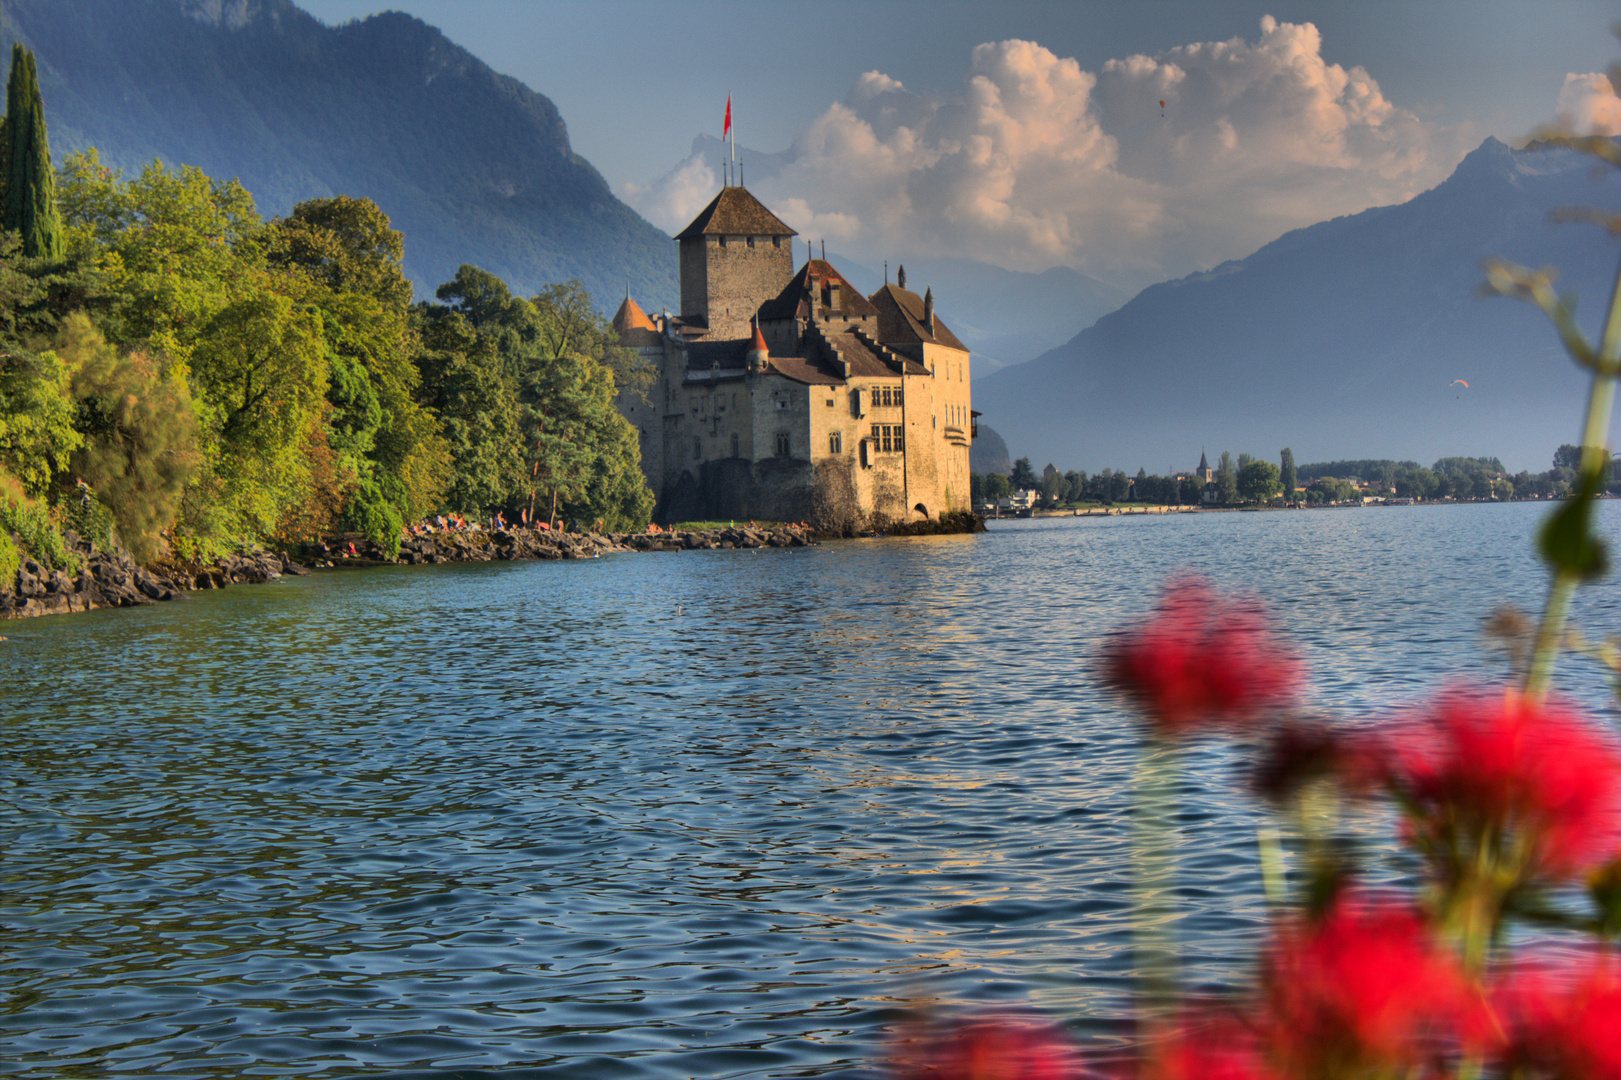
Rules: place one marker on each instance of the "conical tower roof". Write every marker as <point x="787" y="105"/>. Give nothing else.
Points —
<point x="630" y="316"/>
<point x="734" y="212"/>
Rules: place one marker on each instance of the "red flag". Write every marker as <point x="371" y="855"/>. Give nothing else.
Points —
<point x="727" y="130"/>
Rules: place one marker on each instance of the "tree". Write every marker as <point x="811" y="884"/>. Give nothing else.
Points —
<point x="997" y="486"/>
<point x="1258" y="481"/>
<point x="139" y="448"/>
<point x="29" y="185"/>
<point x="1023" y="477"/>
<point x="1567" y="457"/>
<point x="1226" y="480"/>
<point x="976" y="489"/>
<point x="1287" y="476"/>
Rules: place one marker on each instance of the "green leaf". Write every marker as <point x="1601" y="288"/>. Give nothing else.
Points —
<point x="1567" y="542"/>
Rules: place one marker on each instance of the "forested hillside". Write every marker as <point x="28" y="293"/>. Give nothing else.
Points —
<point x="470" y="165"/>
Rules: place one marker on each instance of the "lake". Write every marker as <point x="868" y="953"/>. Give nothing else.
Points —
<point x="718" y="814"/>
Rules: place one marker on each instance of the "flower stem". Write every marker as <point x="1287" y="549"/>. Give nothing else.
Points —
<point x="1595" y="457"/>
<point x="1154" y="850"/>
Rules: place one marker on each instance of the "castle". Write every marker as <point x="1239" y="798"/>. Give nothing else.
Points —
<point x="785" y="394"/>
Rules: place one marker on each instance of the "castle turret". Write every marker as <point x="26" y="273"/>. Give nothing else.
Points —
<point x="759" y="357"/>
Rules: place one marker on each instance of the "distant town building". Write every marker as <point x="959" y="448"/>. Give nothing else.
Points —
<point x="779" y="391"/>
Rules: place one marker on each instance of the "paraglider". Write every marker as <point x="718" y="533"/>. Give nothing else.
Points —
<point x="1162" y="106"/>
<point x="1457" y="382"/>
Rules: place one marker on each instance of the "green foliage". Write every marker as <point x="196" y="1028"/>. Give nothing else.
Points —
<point x="1023" y="477"/>
<point x="1365" y="469"/>
<point x="36" y="534"/>
<point x="37" y="435"/>
<point x="28" y="194"/>
<point x="1258" y="481"/>
<point x="10" y="560"/>
<point x="86" y="515"/>
<point x="1287" y="473"/>
<point x="526" y="392"/>
<point x="1464" y="466"/>
<point x="371" y="513"/>
<point x="139" y="446"/>
<point x="1226" y="480"/>
<point x="997" y="486"/>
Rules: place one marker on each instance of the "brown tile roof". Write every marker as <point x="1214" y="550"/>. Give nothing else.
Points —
<point x="802" y="296"/>
<point x="734" y="212"/>
<point x="806" y="369"/>
<point x="630" y="315"/>
<point x="635" y="329"/>
<point x="900" y="320"/>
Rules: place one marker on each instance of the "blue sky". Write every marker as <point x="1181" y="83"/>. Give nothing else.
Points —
<point x="1029" y="134"/>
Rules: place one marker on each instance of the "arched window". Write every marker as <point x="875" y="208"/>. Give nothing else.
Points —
<point x="734" y="444"/>
<point x="835" y="443"/>
<point x="782" y="444"/>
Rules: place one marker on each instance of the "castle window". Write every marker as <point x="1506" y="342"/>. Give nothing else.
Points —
<point x="897" y="397"/>
<point x="883" y="396"/>
<point x="734" y="444"/>
<point x="776" y="241"/>
<point x="781" y="403"/>
<point x="751" y="241"/>
<point x="900" y="439"/>
<point x="723" y="241"/>
<point x="835" y="443"/>
<point x="697" y="448"/>
<point x="782" y="444"/>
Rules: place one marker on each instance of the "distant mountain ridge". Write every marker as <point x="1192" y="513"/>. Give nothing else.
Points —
<point x="472" y="166"/>
<point x="1340" y="340"/>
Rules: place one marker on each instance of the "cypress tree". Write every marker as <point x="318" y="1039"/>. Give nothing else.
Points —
<point x="29" y="195"/>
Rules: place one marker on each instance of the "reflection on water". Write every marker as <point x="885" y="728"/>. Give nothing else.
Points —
<point x="707" y="814"/>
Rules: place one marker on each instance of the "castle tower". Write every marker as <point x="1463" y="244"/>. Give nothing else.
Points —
<point x="735" y="256"/>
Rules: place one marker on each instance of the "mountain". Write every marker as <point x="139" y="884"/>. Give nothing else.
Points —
<point x="1341" y="340"/>
<point x="470" y="165"/>
<point x="1004" y="316"/>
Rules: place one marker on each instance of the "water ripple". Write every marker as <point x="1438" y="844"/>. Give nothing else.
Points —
<point x="709" y="814"/>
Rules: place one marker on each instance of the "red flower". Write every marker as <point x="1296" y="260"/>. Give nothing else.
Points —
<point x="1221" y="1049"/>
<point x="1365" y="983"/>
<point x="1200" y="658"/>
<point x="989" y="1050"/>
<point x="1563" y="1020"/>
<point x="1536" y="782"/>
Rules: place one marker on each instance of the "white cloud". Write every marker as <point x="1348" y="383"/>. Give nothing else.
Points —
<point x="1038" y="162"/>
<point x="675" y="197"/>
<point x="1588" y="105"/>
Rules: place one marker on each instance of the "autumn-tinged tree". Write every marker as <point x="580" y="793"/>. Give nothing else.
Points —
<point x="139" y="448"/>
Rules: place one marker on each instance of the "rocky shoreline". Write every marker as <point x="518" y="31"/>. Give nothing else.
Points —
<point x="112" y="579"/>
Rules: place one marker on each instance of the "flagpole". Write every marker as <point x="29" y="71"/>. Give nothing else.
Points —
<point x="734" y="137"/>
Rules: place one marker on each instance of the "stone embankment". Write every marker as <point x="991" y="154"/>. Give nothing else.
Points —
<point x="111" y="579"/>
